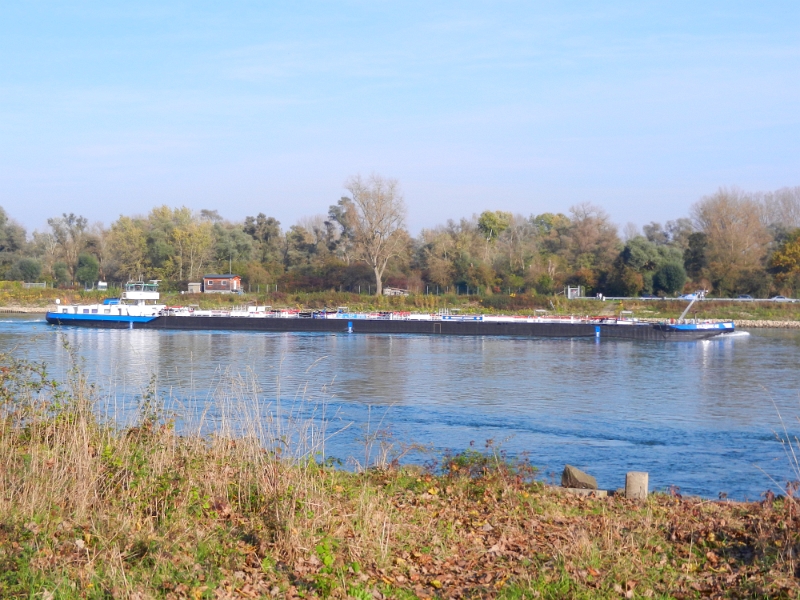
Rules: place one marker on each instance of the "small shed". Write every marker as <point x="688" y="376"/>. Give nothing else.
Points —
<point x="222" y="284"/>
<point x="194" y="288"/>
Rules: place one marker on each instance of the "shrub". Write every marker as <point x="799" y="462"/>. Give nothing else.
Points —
<point x="88" y="269"/>
<point x="25" y="269"/>
<point x="670" y="278"/>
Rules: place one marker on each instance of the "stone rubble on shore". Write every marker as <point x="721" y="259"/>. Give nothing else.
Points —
<point x="743" y="323"/>
<point x="25" y="309"/>
<point x="765" y="324"/>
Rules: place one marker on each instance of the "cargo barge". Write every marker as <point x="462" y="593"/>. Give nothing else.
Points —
<point x="139" y="309"/>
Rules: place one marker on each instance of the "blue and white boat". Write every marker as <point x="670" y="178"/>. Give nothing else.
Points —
<point x="137" y="305"/>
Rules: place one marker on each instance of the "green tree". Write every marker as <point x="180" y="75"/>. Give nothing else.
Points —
<point x="492" y="224"/>
<point x="266" y="232"/>
<point x="88" y="269"/>
<point x="61" y="272"/>
<point x="231" y="244"/>
<point x="695" y="257"/>
<point x="12" y="235"/>
<point x="641" y="254"/>
<point x="670" y="278"/>
<point x="25" y="269"/>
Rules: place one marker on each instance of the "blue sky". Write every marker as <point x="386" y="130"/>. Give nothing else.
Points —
<point x="641" y="107"/>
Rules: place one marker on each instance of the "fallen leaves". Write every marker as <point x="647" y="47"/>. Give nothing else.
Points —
<point x="204" y="522"/>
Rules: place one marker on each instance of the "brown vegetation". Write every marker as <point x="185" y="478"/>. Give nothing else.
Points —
<point x="92" y="510"/>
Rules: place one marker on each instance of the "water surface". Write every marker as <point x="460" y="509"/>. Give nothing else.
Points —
<point x="697" y="415"/>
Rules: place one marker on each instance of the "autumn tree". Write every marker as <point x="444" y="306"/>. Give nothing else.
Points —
<point x="436" y="256"/>
<point x="591" y="244"/>
<point x="378" y="222"/>
<point x="192" y="239"/>
<point x="127" y="240"/>
<point x="735" y="234"/>
<point x="785" y="262"/>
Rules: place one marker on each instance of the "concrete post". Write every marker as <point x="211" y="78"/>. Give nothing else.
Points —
<point x="636" y="485"/>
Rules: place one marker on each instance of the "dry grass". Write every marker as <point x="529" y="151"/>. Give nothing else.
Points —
<point x="88" y="509"/>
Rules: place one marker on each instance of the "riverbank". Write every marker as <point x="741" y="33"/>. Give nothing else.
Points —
<point x="89" y="509"/>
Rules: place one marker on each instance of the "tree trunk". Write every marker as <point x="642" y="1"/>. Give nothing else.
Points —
<point x="378" y="282"/>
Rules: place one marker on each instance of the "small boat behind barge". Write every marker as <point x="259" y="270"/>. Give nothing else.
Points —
<point x="138" y="308"/>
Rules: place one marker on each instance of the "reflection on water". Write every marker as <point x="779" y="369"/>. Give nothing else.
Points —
<point x="699" y="415"/>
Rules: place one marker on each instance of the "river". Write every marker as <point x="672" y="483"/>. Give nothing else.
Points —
<point x="700" y="416"/>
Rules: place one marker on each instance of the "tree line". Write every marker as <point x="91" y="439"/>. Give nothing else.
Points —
<point x="732" y="242"/>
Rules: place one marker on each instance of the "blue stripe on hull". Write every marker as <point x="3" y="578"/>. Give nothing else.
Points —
<point x="702" y="327"/>
<point x="81" y="319"/>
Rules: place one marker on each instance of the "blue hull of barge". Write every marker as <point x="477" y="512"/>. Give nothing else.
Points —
<point x="94" y="320"/>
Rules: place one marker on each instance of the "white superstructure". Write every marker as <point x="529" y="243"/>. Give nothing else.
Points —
<point x="139" y="299"/>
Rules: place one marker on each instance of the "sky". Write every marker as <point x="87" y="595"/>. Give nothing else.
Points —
<point x="111" y="108"/>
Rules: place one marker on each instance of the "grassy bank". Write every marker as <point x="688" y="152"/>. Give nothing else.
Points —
<point x="39" y="299"/>
<point x="92" y="510"/>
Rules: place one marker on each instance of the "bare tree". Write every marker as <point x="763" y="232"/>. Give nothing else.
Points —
<point x="378" y="223"/>
<point x="782" y="207"/>
<point x="631" y="230"/>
